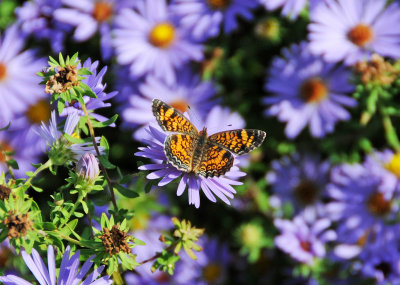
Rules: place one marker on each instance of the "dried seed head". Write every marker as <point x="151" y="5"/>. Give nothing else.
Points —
<point x="115" y="240"/>
<point x="63" y="80"/>
<point x="18" y="224"/>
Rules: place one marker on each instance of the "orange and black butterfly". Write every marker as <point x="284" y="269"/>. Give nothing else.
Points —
<point x="192" y="151"/>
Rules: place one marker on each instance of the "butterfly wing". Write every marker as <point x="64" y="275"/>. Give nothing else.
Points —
<point x="179" y="150"/>
<point x="215" y="161"/>
<point x="239" y="141"/>
<point x="170" y="119"/>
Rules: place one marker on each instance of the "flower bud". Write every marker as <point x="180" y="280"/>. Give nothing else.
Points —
<point x="88" y="167"/>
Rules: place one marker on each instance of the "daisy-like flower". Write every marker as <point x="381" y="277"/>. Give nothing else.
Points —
<point x="302" y="240"/>
<point x="307" y="91"/>
<point x="188" y="92"/>
<point x="37" y="18"/>
<point x="151" y="41"/>
<point x="220" y="186"/>
<point x="62" y="151"/>
<point x="300" y="180"/>
<point x="204" y="17"/>
<point x="290" y="8"/>
<point x="351" y="30"/>
<point x="19" y="84"/>
<point x="69" y="273"/>
<point x="94" y="81"/>
<point x="90" y="16"/>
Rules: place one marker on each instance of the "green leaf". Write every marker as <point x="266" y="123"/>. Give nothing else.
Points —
<point x="37" y="189"/>
<point x="104" y="124"/>
<point x="124" y="191"/>
<point x="13" y="164"/>
<point x="85" y="207"/>
<point x="87" y="90"/>
<point x="60" y="105"/>
<point x="74" y="58"/>
<point x="61" y="59"/>
<point x="49" y="226"/>
<point x="105" y="162"/>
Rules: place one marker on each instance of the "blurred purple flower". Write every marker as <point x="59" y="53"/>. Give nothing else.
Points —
<point x="307" y="91"/>
<point x="220" y="186"/>
<point x="300" y="180"/>
<point x="302" y="240"/>
<point x="290" y="8"/>
<point x="204" y="17"/>
<point x="19" y="84"/>
<point x="351" y="30"/>
<point x="188" y="92"/>
<point x="94" y="81"/>
<point x="68" y="274"/>
<point x="37" y="18"/>
<point x="90" y="16"/>
<point x="358" y="203"/>
<point x="150" y="41"/>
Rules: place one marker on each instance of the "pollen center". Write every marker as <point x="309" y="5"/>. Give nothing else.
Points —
<point x="102" y="11"/>
<point x="39" y="112"/>
<point x="313" y="90"/>
<point x="306" y="192"/>
<point x="394" y="165"/>
<point x="180" y="105"/>
<point x="378" y="205"/>
<point x="219" y="4"/>
<point x="4" y="147"/>
<point x="3" y="71"/>
<point x="162" y="35"/>
<point x="212" y="272"/>
<point x="360" y="35"/>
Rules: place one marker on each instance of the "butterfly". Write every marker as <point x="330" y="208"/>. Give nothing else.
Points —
<point x="194" y="152"/>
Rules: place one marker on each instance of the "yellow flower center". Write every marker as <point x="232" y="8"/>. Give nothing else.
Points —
<point x="306" y="192"/>
<point x="39" y="112"/>
<point x="394" y="165"/>
<point x="140" y="221"/>
<point x="212" y="272"/>
<point x="162" y="35"/>
<point x="75" y="135"/>
<point x="378" y="205"/>
<point x="102" y="11"/>
<point x="219" y="4"/>
<point x="4" y="147"/>
<point x="313" y="90"/>
<point x="3" y="71"/>
<point x="268" y="28"/>
<point x="360" y="35"/>
<point x="251" y="235"/>
<point x="180" y="105"/>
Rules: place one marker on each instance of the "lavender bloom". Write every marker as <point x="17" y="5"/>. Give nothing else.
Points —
<point x="290" y="8"/>
<point x="219" y="186"/>
<point x="55" y="139"/>
<point x="359" y="203"/>
<point x="150" y="41"/>
<point x="19" y="84"/>
<point x="351" y="30"/>
<point x="204" y="17"/>
<point x="303" y="241"/>
<point x="88" y="167"/>
<point x="300" y="180"/>
<point x="307" y="91"/>
<point x="69" y="273"/>
<point x="37" y="18"/>
<point x="94" y="81"/>
<point x="189" y="91"/>
<point x="90" y="16"/>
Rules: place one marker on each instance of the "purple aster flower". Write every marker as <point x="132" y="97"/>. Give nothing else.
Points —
<point x="94" y="81"/>
<point x="290" y="8"/>
<point x="58" y="144"/>
<point x="37" y="18"/>
<point x="220" y="186"/>
<point x="68" y="274"/>
<point x="188" y="92"/>
<point x="351" y="30"/>
<point x="302" y="240"/>
<point x="359" y="203"/>
<point x="307" y="91"/>
<point x="204" y="17"/>
<point x="301" y="181"/>
<point x="88" y="167"/>
<point x="19" y="84"/>
<point x="150" y="41"/>
<point x="90" y="16"/>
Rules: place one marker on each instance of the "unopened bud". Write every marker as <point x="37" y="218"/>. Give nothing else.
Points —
<point x="88" y="167"/>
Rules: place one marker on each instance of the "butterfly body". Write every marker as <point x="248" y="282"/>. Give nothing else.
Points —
<point x="196" y="152"/>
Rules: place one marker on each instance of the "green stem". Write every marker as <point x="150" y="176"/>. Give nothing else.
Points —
<point x="10" y="170"/>
<point x="37" y="171"/>
<point x="90" y="221"/>
<point x="390" y="131"/>
<point x="91" y="130"/>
